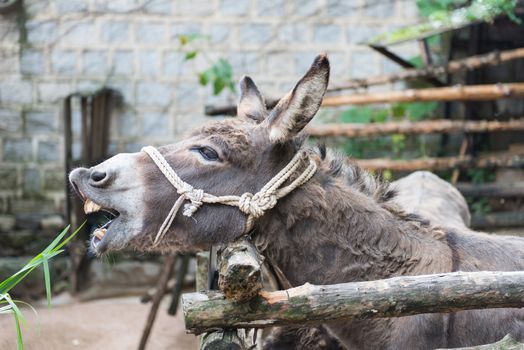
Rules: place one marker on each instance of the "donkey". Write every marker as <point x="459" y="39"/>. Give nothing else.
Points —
<point x="342" y="225"/>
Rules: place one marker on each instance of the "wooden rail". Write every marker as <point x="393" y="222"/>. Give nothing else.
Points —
<point x="453" y="93"/>
<point x="494" y="190"/>
<point x="394" y="297"/>
<point x="468" y="63"/>
<point x="443" y="163"/>
<point x="422" y="127"/>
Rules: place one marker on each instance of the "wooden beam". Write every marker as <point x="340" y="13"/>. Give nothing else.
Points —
<point x="464" y="64"/>
<point x="503" y="219"/>
<point x="443" y="163"/>
<point x="394" y="297"/>
<point x="495" y="190"/>
<point x="422" y="127"/>
<point x="403" y="63"/>
<point x="454" y="93"/>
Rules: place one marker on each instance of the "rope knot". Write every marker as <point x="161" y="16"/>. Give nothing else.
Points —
<point x="256" y="204"/>
<point x="195" y="196"/>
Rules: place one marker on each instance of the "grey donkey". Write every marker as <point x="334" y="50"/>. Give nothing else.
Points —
<point x="342" y="225"/>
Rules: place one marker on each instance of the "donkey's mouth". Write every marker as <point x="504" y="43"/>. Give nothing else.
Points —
<point x="110" y="215"/>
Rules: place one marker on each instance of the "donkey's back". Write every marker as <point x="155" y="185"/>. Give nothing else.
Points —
<point x="427" y="195"/>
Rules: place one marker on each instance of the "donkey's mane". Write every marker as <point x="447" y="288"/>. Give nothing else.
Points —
<point x="338" y="165"/>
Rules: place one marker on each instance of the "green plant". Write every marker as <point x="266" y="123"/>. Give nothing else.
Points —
<point x="480" y="206"/>
<point x="442" y="15"/>
<point x="394" y="145"/>
<point x="10" y="305"/>
<point x="219" y="74"/>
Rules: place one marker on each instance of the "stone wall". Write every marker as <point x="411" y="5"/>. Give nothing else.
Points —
<point x="54" y="48"/>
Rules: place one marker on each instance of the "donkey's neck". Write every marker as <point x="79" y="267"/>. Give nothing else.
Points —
<point x="330" y="231"/>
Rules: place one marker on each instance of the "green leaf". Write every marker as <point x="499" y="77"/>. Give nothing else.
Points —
<point x="183" y="39"/>
<point x="204" y="77"/>
<point x="218" y="85"/>
<point x="190" y="55"/>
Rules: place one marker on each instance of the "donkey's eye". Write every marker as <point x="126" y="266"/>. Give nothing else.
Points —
<point x="207" y="152"/>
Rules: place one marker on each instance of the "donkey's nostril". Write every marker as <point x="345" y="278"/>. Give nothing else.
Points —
<point x="98" y="176"/>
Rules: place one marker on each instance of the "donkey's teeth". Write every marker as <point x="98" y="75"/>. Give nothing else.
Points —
<point x="91" y="207"/>
<point x="100" y="233"/>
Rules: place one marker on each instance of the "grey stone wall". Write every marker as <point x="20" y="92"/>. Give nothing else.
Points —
<point x="58" y="47"/>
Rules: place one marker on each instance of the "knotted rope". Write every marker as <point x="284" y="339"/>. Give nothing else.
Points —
<point x="253" y="205"/>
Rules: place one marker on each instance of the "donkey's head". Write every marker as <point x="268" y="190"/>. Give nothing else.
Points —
<point x="229" y="157"/>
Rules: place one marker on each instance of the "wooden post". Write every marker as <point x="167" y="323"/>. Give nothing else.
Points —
<point x="240" y="271"/>
<point x="222" y="340"/>
<point x="394" y="297"/>
<point x="202" y="270"/>
<point x="240" y="279"/>
<point x="165" y="273"/>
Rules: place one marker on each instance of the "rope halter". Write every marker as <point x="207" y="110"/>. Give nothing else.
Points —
<point x="253" y="205"/>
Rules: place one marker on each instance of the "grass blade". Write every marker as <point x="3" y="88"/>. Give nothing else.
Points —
<point x="70" y="236"/>
<point x="56" y="240"/>
<point x="47" y="280"/>
<point x="15" y="309"/>
<point x="49" y="252"/>
<point x="19" y="339"/>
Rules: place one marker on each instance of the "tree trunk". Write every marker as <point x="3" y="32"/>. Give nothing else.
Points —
<point x="394" y="297"/>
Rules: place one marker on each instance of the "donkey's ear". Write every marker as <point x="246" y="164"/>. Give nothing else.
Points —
<point x="251" y="104"/>
<point x="300" y="105"/>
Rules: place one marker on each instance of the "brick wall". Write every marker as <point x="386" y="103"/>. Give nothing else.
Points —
<point x="55" y="48"/>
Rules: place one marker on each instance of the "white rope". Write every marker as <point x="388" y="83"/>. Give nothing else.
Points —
<point x="253" y="205"/>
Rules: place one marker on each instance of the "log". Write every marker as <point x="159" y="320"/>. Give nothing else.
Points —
<point x="240" y="270"/>
<point x="484" y="92"/>
<point x="468" y="63"/>
<point x="414" y="128"/>
<point x="454" y="93"/>
<point x="394" y="297"/>
<point x="495" y="190"/>
<point x="507" y="343"/>
<point x="222" y="340"/>
<point x="443" y="163"/>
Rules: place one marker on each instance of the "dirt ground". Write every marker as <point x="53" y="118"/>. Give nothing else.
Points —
<point x="114" y="324"/>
